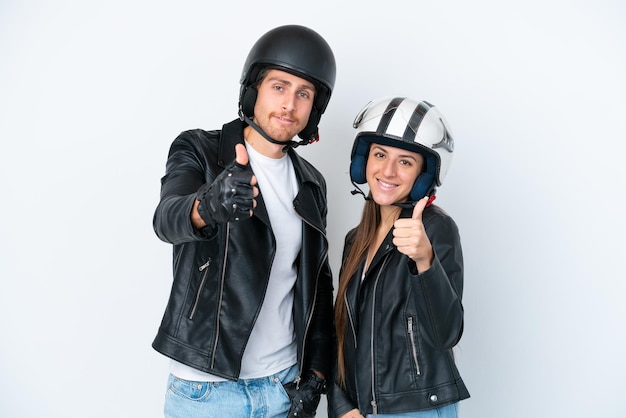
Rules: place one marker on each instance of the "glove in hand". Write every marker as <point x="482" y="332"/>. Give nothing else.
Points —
<point x="305" y="397"/>
<point x="228" y="198"/>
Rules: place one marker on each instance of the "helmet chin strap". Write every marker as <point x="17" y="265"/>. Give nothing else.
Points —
<point x="358" y="190"/>
<point x="404" y="205"/>
<point x="409" y="205"/>
<point x="287" y="144"/>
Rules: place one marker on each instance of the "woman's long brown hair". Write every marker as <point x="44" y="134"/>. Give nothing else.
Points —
<point x="365" y="233"/>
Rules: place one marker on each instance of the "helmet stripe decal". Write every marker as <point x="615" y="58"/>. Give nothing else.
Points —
<point x="414" y="122"/>
<point x="388" y="115"/>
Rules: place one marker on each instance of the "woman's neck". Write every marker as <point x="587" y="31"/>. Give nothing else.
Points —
<point x="388" y="215"/>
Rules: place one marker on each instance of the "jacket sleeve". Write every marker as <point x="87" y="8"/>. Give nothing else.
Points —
<point x="322" y="325"/>
<point x="338" y="402"/>
<point x="186" y="170"/>
<point x="439" y="289"/>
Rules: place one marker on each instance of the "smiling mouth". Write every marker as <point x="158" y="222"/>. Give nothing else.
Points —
<point x="386" y="185"/>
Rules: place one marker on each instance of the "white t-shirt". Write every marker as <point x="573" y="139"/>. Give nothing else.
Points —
<point x="272" y="345"/>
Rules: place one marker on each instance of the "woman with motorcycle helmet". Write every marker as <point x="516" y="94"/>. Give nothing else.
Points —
<point x="398" y="309"/>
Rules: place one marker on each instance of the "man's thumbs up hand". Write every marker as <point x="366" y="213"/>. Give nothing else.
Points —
<point x="231" y="195"/>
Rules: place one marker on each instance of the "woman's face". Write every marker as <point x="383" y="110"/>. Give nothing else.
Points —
<point x="391" y="173"/>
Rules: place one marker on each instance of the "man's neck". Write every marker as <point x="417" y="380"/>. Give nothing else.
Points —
<point x="262" y="145"/>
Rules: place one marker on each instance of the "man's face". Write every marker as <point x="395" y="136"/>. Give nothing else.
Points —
<point x="283" y="105"/>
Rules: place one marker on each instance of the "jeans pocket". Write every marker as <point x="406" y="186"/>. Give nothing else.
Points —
<point x="286" y="380"/>
<point x="195" y="391"/>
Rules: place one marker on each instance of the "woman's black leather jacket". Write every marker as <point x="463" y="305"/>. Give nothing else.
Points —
<point x="221" y="275"/>
<point x="402" y="327"/>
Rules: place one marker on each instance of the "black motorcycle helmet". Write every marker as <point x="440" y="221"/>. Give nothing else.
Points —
<point x="299" y="51"/>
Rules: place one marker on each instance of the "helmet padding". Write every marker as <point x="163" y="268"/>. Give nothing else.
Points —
<point x="424" y="184"/>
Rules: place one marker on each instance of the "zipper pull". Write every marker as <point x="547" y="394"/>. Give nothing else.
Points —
<point x="205" y="265"/>
<point x="297" y="381"/>
<point x="374" y="408"/>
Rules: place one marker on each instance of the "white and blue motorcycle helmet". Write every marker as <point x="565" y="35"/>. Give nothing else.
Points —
<point x="405" y="123"/>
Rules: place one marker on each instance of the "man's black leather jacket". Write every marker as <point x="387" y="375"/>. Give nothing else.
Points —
<point x="402" y="327"/>
<point x="221" y="275"/>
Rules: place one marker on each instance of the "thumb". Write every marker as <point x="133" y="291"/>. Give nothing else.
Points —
<point x="418" y="209"/>
<point x="241" y="155"/>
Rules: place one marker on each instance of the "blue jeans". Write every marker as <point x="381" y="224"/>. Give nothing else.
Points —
<point x="264" y="397"/>
<point x="448" y="411"/>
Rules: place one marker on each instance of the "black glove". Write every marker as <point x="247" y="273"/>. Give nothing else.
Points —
<point x="305" y="396"/>
<point x="228" y="198"/>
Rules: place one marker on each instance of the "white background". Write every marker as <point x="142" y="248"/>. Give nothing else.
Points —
<point x="93" y="93"/>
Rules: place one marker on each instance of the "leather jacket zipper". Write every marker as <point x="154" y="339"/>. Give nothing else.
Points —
<point x="310" y="317"/>
<point x="353" y="328"/>
<point x="197" y="300"/>
<point x="352" y="325"/>
<point x="373" y="402"/>
<point x="413" y="347"/>
<point x="221" y="295"/>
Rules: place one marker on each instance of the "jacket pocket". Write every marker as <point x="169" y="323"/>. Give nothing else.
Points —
<point x="204" y="270"/>
<point x="413" y="344"/>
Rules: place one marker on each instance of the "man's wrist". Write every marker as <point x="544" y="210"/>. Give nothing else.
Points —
<point x="316" y="382"/>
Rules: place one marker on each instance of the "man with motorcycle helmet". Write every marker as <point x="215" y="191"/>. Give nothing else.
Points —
<point x="249" y="322"/>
